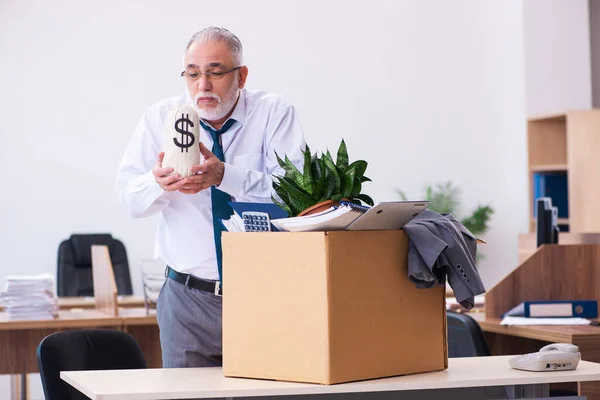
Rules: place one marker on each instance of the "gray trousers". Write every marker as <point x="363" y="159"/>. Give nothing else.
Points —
<point x="190" y="323"/>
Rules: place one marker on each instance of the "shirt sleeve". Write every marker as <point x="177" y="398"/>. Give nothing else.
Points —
<point x="137" y="189"/>
<point x="284" y="136"/>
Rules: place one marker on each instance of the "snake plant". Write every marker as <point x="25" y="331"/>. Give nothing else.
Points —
<point x="321" y="179"/>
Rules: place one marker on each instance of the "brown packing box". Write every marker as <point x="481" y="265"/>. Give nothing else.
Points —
<point x="327" y="307"/>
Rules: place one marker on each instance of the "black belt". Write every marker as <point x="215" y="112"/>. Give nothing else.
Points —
<point x="188" y="280"/>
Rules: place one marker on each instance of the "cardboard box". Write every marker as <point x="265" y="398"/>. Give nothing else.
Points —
<point x="327" y="307"/>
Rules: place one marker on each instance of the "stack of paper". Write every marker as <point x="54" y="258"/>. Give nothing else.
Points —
<point x="332" y="219"/>
<point x="29" y="297"/>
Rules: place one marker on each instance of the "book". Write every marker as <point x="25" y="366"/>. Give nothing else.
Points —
<point x="508" y="320"/>
<point x="555" y="309"/>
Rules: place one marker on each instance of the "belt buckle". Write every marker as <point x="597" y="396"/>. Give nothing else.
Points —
<point x="218" y="289"/>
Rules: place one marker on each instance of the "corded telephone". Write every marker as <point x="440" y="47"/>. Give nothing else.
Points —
<point x="553" y="357"/>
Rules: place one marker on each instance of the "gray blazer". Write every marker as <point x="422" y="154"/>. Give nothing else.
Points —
<point x="440" y="247"/>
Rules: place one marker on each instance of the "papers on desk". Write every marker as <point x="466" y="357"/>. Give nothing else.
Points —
<point x="29" y="297"/>
<point x="543" y="321"/>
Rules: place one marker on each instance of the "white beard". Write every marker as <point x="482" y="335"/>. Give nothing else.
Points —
<point x="223" y="107"/>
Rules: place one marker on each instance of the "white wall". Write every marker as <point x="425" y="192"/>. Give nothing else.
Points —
<point x="557" y="56"/>
<point x="426" y="91"/>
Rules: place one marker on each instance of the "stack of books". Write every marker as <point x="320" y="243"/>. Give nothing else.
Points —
<point x="29" y="297"/>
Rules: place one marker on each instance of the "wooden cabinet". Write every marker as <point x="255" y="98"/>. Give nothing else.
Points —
<point x="568" y="144"/>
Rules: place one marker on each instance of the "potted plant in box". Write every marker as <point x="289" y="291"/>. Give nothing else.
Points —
<point x="323" y="182"/>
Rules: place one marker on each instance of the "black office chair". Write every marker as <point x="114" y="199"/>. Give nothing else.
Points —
<point x="465" y="337"/>
<point x="84" y="350"/>
<point x="74" y="266"/>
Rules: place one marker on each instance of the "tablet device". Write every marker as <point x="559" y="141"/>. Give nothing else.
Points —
<point x="391" y="215"/>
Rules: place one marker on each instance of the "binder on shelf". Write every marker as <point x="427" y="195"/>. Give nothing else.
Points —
<point x="556" y="308"/>
<point x="555" y="186"/>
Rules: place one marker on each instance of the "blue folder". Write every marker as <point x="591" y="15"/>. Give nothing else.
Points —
<point x="555" y="308"/>
<point x="270" y="208"/>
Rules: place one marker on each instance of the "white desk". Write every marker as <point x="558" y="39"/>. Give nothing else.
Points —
<point x="463" y="374"/>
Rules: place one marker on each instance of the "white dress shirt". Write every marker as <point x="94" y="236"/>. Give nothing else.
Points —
<point x="184" y="240"/>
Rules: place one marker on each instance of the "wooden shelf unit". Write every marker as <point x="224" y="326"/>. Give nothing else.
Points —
<point x="570" y="143"/>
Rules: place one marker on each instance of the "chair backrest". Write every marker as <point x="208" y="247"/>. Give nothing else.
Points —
<point x="465" y="337"/>
<point x="74" y="266"/>
<point x="84" y="350"/>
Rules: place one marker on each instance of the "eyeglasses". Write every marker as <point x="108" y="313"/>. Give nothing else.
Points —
<point x="194" y="74"/>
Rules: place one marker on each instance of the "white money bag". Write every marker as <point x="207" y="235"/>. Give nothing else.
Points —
<point x="181" y="140"/>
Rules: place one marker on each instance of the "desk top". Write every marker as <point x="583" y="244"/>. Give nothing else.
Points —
<point x="82" y="318"/>
<point x="89" y="302"/>
<point x="548" y="333"/>
<point x="137" y="316"/>
<point x="66" y="319"/>
<point x="186" y="383"/>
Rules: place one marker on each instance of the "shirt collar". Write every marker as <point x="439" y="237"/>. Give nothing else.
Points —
<point x="239" y="112"/>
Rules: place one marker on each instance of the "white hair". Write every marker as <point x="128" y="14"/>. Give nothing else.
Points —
<point x="216" y="34"/>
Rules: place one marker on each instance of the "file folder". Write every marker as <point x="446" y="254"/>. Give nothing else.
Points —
<point x="556" y="308"/>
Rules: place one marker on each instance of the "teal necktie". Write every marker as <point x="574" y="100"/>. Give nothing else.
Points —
<point x="219" y="199"/>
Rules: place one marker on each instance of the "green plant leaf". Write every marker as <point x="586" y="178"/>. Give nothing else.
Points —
<point x="348" y="182"/>
<point x="429" y="193"/>
<point x="342" y="157"/>
<point x="444" y="197"/>
<point x="309" y="184"/>
<point x="297" y="177"/>
<point x="283" y="206"/>
<point x="336" y="197"/>
<point x="280" y="161"/>
<point x="477" y="222"/>
<point x="365" y="179"/>
<point x="296" y="199"/>
<point x="366" y="199"/>
<point x="333" y="171"/>
<point x="283" y="195"/>
<point x="330" y="183"/>
<point x="360" y="167"/>
<point x="356" y="188"/>
<point x="315" y="166"/>
<point x="319" y="189"/>
<point x="402" y="194"/>
<point x="290" y="169"/>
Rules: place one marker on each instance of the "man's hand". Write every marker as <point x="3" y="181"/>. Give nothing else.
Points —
<point x="212" y="170"/>
<point x="168" y="182"/>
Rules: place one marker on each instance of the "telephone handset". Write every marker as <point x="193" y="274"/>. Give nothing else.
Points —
<point x="553" y="357"/>
<point x="566" y="347"/>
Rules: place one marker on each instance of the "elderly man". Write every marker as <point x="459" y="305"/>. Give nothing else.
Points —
<point x="243" y="130"/>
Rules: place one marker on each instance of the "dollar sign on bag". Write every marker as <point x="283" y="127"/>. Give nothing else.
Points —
<point x="187" y="138"/>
